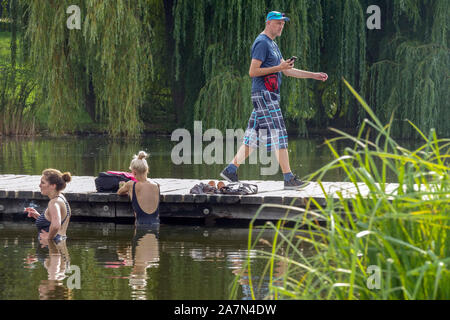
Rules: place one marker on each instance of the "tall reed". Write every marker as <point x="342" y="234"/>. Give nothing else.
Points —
<point x="384" y="244"/>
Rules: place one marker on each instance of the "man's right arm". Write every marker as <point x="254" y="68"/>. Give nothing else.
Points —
<point x="257" y="71"/>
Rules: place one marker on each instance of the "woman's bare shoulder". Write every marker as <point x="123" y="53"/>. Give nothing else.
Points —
<point x="153" y="185"/>
<point x="55" y="201"/>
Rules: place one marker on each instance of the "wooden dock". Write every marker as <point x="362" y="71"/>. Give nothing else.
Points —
<point x="19" y="191"/>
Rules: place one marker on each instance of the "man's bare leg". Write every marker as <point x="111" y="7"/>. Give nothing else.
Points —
<point x="283" y="159"/>
<point x="242" y="154"/>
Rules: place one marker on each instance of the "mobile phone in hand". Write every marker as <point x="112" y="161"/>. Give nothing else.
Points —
<point x="293" y="58"/>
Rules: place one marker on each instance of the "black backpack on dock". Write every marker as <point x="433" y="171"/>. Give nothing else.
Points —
<point x="108" y="182"/>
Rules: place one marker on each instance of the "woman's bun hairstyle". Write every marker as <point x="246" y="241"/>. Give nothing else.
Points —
<point x="142" y="155"/>
<point x="139" y="163"/>
<point x="67" y="177"/>
<point x="54" y="176"/>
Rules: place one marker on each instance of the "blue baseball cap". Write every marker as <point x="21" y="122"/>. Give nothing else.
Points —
<point x="275" y="15"/>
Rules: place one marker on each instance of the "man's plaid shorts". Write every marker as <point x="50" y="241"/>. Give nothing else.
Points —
<point x="266" y="124"/>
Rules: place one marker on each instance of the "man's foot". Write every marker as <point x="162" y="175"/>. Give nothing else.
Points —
<point x="295" y="184"/>
<point x="229" y="176"/>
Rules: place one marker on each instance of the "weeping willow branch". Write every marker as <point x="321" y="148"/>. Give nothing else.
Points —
<point x="112" y="51"/>
<point x="224" y="102"/>
<point x="222" y="36"/>
<point x="327" y="36"/>
<point x="110" y="62"/>
<point x="119" y="59"/>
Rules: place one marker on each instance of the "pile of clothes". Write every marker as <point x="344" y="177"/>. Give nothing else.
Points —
<point x="236" y="188"/>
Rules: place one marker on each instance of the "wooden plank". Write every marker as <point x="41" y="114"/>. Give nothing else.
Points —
<point x="179" y="188"/>
<point x="175" y="201"/>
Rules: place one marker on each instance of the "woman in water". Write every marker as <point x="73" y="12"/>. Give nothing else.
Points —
<point x="53" y="223"/>
<point x="144" y="194"/>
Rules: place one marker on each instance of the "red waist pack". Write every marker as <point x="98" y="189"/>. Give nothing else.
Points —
<point x="271" y="82"/>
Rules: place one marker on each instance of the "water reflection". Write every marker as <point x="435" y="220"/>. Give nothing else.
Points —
<point x="122" y="262"/>
<point x="145" y="251"/>
<point x="87" y="156"/>
<point x="258" y="287"/>
<point x="56" y="260"/>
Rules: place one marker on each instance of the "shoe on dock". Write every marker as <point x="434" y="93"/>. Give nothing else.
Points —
<point x="229" y="176"/>
<point x="295" y="184"/>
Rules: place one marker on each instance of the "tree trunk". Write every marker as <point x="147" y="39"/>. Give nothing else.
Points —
<point x="177" y="87"/>
<point x="90" y="101"/>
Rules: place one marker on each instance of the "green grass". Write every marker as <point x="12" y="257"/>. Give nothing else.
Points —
<point x="402" y="236"/>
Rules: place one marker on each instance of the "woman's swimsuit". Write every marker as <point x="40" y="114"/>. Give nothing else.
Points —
<point x="143" y="218"/>
<point x="43" y="224"/>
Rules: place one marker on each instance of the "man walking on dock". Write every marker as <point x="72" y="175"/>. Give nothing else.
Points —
<point x="266" y="126"/>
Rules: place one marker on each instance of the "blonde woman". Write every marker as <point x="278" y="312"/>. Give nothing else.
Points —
<point x="144" y="194"/>
<point x="53" y="223"/>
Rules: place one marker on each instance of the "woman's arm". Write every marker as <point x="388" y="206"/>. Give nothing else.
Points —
<point x="124" y="189"/>
<point x="54" y="212"/>
<point x="32" y="213"/>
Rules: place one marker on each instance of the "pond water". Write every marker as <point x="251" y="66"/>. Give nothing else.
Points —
<point x="87" y="156"/>
<point x="115" y="261"/>
<point x="118" y="262"/>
